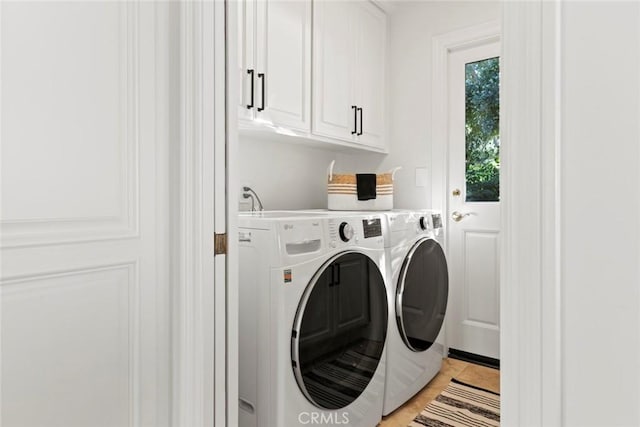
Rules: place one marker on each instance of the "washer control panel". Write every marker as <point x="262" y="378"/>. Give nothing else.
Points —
<point x="346" y="232"/>
<point x="437" y="220"/>
<point x="354" y="230"/>
<point x="423" y="223"/>
<point x="372" y="227"/>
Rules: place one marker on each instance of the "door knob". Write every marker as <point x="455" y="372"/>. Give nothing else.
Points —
<point x="456" y="192"/>
<point x="457" y="216"/>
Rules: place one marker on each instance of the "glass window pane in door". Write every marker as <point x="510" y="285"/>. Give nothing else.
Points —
<point x="482" y="130"/>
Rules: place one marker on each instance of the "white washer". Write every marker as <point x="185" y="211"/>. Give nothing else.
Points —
<point x="313" y="319"/>
<point x="418" y="277"/>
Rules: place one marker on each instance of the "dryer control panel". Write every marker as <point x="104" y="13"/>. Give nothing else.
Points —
<point x="429" y="222"/>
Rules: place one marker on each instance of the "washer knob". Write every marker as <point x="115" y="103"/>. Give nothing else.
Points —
<point x="346" y="232"/>
<point x="423" y="223"/>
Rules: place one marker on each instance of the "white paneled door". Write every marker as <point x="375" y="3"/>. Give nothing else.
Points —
<point x="474" y="200"/>
<point x="85" y="215"/>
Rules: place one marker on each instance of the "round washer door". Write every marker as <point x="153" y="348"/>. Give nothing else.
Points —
<point x="421" y="295"/>
<point x="339" y="331"/>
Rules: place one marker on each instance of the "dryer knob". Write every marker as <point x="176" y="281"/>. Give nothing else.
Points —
<point x="423" y="223"/>
<point x="346" y="232"/>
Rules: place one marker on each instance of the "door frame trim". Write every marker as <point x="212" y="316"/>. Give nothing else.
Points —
<point x="203" y="334"/>
<point x="531" y="336"/>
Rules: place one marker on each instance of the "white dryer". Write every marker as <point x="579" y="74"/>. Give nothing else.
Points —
<point x="419" y="284"/>
<point x="313" y="319"/>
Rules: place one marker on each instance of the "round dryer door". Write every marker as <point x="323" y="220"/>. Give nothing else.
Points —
<point x="421" y="294"/>
<point x="340" y="330"/>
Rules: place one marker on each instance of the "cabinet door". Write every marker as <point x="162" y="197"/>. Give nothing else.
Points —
<point x="246" y="66"/>
<point x="284" y="63"/>
<point x="333" y="62"/>
<point x="370" y="25"/>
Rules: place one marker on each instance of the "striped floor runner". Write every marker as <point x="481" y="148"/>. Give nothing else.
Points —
<point x="461" y="405"/>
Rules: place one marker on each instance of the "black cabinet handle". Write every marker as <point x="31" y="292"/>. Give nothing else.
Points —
<point x="360" y="133"/>
<point x="355" y="120"/>
<point x="250" y="106"/>
<point x="261" y="76"/>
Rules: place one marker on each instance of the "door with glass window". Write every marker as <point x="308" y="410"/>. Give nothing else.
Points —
<point x="474" y="200"/>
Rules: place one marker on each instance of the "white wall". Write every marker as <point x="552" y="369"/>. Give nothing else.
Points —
<point x="601" y="213"/>
<point x="293" y="175"/>
<point x="411" y="29"/>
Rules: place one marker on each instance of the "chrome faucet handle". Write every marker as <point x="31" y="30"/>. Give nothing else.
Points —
<point x="248" y="192"/>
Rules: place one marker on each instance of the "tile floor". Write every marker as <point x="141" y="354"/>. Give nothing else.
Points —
<point x="451" y="368"/>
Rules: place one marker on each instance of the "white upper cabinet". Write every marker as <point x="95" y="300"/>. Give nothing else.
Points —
<point x="275" y="62"/>
<point x="349" y="72"/>
<point x="284" y="63"/>
<point x="246" y="58"/>
<point x="334" y="50"/>
<point x="342" y="100"/>
<point x="370" y="76"/>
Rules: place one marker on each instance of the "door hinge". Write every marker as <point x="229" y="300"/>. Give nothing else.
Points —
<point x="219" y="244"/>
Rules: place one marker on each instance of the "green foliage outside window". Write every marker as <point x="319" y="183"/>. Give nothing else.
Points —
<point x="482" y="133"/>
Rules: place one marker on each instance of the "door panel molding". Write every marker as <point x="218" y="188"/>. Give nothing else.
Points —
<point x="77" y="289"/>
<point x="29" y="231"/>
<point x="480" y="324"/>
<point x="200" y="396"/>
<point x="467" y="273"/>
